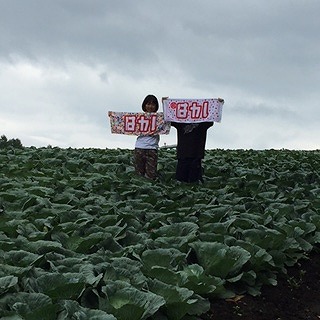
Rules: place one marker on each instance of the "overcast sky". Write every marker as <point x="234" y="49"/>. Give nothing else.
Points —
<point x="65" y="63"/>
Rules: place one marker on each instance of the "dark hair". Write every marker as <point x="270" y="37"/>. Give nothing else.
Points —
<point x="150" y="98"/>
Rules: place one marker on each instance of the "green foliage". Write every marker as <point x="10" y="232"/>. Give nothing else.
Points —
<point x="83" y="237"/>
<point x="12" y="143"/>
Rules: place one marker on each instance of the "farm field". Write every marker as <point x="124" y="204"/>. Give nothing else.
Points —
<point x="83" y="237"/>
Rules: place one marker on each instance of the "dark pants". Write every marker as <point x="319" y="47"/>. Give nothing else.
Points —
<point x="189" y="170"/>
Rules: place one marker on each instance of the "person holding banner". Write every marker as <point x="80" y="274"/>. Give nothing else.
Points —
<point x="146" y="147"/>
<point x="190" y="150"/>
<point x="191" y="141"/>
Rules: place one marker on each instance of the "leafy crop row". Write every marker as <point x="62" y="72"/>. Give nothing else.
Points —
<point x="83" y="237"/>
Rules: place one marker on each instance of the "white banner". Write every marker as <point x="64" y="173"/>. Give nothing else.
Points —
<point x="192" y="110"/>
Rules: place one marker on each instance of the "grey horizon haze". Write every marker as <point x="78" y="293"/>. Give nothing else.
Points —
<point x="65" y="63"/>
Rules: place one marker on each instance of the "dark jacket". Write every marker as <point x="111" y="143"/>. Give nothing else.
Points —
<point x="191" y="139"/>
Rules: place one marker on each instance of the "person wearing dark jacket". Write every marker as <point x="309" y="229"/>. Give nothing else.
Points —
<point x="191" y="143"/>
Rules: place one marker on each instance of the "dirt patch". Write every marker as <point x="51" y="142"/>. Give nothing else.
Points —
<point x="297" y="296"/>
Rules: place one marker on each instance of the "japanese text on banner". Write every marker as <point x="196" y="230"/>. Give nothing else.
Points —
<point x="138" y="123"/>
<point x="192" y="110"/>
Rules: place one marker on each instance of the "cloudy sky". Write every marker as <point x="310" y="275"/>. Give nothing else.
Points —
<point x="65" y="63"/>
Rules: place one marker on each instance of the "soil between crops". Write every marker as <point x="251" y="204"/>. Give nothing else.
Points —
<point x="296" y="296"/>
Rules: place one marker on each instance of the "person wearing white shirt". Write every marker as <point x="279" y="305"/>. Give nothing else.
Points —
<point x="146" y="147"/>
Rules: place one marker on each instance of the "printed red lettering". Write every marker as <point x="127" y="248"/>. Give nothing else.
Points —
<point x="129" y="123"/>
<point x="182" y="110"/>
<point x="147" y="124"/>
<point x="193" y="111"/>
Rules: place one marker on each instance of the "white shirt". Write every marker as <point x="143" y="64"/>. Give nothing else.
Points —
<point x="148" y="142"/>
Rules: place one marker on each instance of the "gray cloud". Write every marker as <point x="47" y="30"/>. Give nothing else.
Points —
<point x="69" y="61"/>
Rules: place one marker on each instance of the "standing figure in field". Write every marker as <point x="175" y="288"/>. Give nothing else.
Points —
<point x="191" y="144"/>
<point x="146" y="147"/>
<point x="190" y="150"/>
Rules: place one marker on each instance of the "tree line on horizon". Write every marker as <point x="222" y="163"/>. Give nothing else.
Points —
<point x="7" y="143"/>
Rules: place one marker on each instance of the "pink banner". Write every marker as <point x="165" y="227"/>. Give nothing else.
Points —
<point x="192" y="110"/>
<point x="138" y="123"/>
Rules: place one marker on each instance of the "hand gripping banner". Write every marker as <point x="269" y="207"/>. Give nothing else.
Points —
<point x="192" y="110"/>
<point x="143" y="123"/>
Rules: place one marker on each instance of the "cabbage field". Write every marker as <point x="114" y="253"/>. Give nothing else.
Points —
<point x="83" y="237"/>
